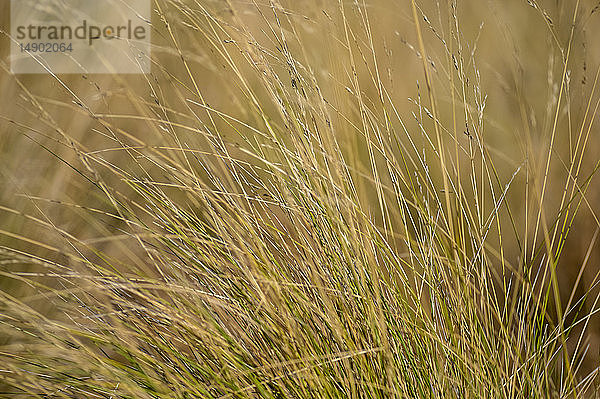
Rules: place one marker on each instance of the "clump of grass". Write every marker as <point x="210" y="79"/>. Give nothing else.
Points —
<point x="305" y="238"/>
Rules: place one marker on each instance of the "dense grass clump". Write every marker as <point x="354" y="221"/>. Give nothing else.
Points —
<point x="346" y="199"/>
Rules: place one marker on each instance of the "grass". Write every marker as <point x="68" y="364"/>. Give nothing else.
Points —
<point x="309" y="201"/>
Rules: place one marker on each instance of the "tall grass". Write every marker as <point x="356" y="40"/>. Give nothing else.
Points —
<point x="285" y="208"/>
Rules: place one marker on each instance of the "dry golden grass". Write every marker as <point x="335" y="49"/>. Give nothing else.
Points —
<point x="310" y="199"/>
